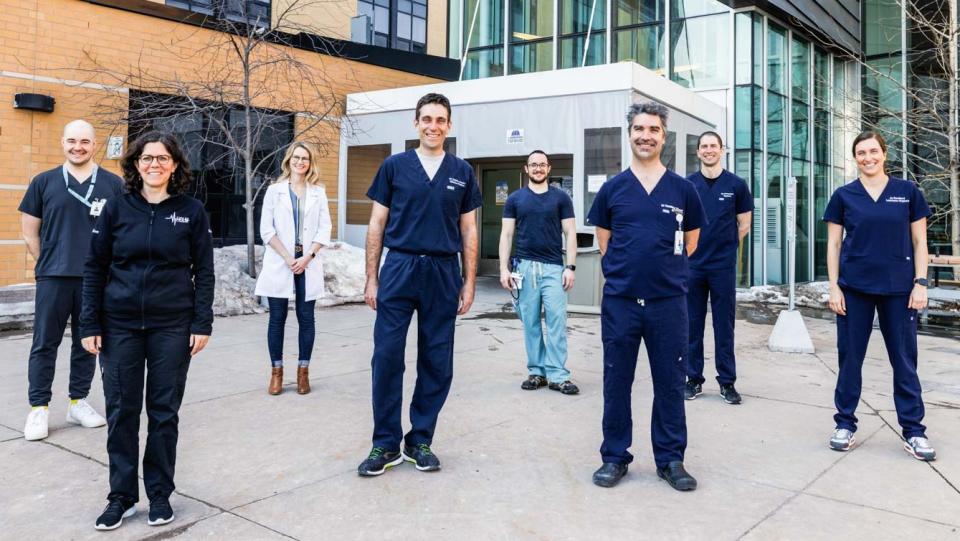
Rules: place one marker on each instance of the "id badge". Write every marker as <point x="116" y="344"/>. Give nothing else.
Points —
<point x="96" y="207"/>
<point x="677" y="242"/>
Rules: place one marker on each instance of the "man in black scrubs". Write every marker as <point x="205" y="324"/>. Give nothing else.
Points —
<point x="648" y="221"/>
<point x="58" y="213"/>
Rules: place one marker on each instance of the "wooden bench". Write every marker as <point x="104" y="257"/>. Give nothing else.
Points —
<point x="937" y="262"/>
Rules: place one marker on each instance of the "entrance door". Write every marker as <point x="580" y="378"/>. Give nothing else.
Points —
<point x="497" y="181"/>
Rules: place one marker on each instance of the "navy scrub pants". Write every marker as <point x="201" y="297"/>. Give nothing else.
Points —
<point x="720" y="285"/>
<point x="898" y="325"/>
<point x="662" y="325"/>
<point x="57" y="299"/>
<point x="164" y="354"/>
<point x="429" y="285"/>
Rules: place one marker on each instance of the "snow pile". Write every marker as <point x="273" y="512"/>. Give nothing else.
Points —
<point x="809" y="294"/>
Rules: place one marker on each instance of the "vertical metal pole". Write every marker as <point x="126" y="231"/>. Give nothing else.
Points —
<point x="792" y="238"/>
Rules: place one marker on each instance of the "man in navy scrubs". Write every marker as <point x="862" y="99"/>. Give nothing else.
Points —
<point x="58" y="212"/>
<point x="424" y="211"/>
<point x="648" y="220"/>
<point x="713" y="267"/>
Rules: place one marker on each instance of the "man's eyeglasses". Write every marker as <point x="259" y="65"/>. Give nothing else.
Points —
<point x="147" y="159"/>
<point x="538" y="165"/>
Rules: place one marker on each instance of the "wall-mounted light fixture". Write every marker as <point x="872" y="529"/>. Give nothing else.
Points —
<point x="34" y="102"/>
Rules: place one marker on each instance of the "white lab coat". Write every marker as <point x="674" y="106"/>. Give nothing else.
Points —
<point x="276" y="220"/>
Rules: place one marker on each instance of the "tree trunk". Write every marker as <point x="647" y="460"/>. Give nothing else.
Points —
<point x="954" y="133"/>
<point x="248" y="173"/>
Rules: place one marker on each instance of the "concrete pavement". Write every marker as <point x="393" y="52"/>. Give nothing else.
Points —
<point x="516" y="464"/>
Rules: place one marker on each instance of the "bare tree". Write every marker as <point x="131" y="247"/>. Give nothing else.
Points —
<point x="246" y="82"/>
<point x="911" y="98"/>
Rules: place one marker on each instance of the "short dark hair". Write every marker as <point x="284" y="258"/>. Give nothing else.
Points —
<point x="433" y="97"/>
<point x="648" y="108"/>
<point x="545" y="155"/>
<point x="709" y="133"/>
<point x="865" y="136"/>
<point x="179" y="180"/>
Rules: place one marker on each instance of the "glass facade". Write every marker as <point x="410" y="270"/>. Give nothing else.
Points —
<point x="790" y="98"/>
<point x="398" y="24"/>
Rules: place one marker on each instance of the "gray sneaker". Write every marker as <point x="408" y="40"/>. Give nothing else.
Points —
<point x="842" y="440"/>
<point x="920" y="448"/>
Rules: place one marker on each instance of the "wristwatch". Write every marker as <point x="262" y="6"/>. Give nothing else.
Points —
<point x="920" y="281"/>
<point x="571" y="267"/>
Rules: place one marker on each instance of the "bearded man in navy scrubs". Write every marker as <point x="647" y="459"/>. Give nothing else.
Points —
<point x="648" y="221"/>
<point x="713" y="268"/>
<point x="424" y="211"/>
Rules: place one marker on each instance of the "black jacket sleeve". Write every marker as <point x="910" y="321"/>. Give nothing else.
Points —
<point x="95" y="272"/>
<point x="201" y="247"/>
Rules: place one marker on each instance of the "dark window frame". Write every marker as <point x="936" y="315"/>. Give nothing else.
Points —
<point x="219" y="9"/>
<point x="392" y="37"/>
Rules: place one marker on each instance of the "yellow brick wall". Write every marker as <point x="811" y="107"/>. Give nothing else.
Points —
<point x="46" y="47"/>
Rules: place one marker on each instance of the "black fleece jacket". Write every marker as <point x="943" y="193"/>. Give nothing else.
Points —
<point x="150" y="266"/>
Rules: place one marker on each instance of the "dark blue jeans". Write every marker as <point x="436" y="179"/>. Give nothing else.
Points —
<point x="278" y="319"/>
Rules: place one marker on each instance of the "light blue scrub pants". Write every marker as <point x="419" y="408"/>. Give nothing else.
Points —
<point x="542" y="288"/>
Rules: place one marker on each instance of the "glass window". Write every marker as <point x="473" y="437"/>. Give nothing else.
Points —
<point x="776" y="105"/>
<point x="531" y="57"/>
<point x="747" y="120"/>
<point x="693" y="162"/>
<point x="631" y="12"/>
<point x="601" y="156"/>
<point x="486" y="18"/>
<point x="801" y="170"/>
<point x="744" y="48"/>
<point x="800" y="133"/>
<point x="882" y="84"/>
<point x="776" y="59"/>
<point x="483" y="63"/>
<point x="801" y="71"/>
<point x="571" y="50"/>
<point x="669" y="155"/>
<point x="642" y="45"/>
<point x="774" y="225"/>
<point x="821" y="195"/>
<point x="575" y="15"/>
<point x="881" y="26"/>
<point x="531" y="20"/>
<point x="821" y="79"/>
<point x="680" y="9"/>
<point x="700" y="55"/>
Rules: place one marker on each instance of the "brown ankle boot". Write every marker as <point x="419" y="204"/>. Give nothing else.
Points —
<point x="303" y="380"/>
<point x="276" y="381"/>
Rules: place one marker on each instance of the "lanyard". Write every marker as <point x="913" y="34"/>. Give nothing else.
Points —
<point x="86" y="198"/>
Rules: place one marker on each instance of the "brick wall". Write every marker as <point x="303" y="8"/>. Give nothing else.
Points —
<point x="53" y="47"/>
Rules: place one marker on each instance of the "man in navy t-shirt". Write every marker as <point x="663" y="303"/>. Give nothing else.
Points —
<point x="541" y="215"/>
<point x="57" y="216"/>
<point x="648" y="220"/>
<point x="713" y="267"/>
<point x="425" y="211"/>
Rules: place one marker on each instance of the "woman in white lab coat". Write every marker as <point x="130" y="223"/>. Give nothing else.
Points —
<point x="294" y="225"/>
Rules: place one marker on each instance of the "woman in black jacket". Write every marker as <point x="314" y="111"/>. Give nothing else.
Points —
<point x="147" y="307"/>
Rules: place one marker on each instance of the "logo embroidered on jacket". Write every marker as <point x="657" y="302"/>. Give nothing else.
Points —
<point x="457" y="181"/>
<point x="898" y="199"/>
<point x="174" y="219"/>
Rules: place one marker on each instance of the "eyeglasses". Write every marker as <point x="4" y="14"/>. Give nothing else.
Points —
<point x="299" y="158"/>
<point x="538" y="165"/>
<point x="163" y="159"/>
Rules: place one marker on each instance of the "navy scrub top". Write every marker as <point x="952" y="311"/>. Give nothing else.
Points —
<point x="424" y="214"/>
<point x="720" y="238"/>
<point x="639" y="262"/>
<point x="877" y="252"/>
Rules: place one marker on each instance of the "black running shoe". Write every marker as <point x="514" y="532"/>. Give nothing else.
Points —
<point x="422" y="457"/>
<point x="677" y="476"/>
<point x="567" y="387"/>
<point x="692" y="390"/>
<point x="378" y="461"/>
<point x="730" y="394"/>
<point x="112" y="517"/>
<point x="533" y="383"/>
<point x="160" y="512"/>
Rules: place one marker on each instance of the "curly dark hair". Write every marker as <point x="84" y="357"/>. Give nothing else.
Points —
<point x="179" y="180"/>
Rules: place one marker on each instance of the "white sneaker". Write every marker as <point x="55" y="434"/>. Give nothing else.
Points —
<point x="920" y="448"/>
<point x="842" y="440"/>
<point x="81" y="413"/>
<point x="37" y="426"/>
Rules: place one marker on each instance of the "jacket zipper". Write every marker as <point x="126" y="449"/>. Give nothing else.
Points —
<point x="143" y="279"/>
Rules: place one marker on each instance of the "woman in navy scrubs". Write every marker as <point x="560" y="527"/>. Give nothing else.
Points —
<point x="880" y="266"/>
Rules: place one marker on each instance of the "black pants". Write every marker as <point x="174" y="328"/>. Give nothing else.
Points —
<point x="164" y="354"/>
<point x="57" y="299"/>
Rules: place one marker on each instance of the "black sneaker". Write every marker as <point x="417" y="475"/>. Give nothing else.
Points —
<point x="422" y="457"/>
<point x="533" y="383"/>
<point x="378" y="461"/>
<point x="692" y="390"/>
<point x="160" y="512"/>
<point x="112" y="517"/>
<point x="609" y="474"/>
<point x="677" y="476"/>
<point x="730" y="394"/>
<point x="567" y="387"/>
